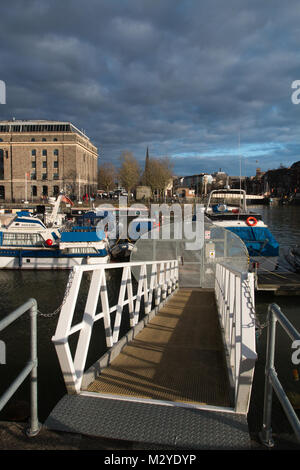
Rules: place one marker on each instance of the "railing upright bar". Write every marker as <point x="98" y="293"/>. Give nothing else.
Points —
<point x="34" y="422"/>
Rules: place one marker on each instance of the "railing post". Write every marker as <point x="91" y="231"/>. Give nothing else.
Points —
<point x="266" y="433"/>
<point x="35" y="426"/>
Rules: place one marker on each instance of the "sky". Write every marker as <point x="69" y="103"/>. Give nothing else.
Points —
<point x="206" y="83"/>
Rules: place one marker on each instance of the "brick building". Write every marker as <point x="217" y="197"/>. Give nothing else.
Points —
<point x="40" y="158"/>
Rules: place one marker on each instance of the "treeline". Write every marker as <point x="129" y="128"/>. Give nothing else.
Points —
<point x="157" y="174"/>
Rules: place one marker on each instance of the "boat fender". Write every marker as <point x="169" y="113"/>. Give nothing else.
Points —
<point x="251" y="221"/>
<point x="49" y="242"/>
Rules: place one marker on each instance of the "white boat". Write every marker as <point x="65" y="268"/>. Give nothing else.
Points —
<point x="262" y="247"/>
<point x="27" y="243"/>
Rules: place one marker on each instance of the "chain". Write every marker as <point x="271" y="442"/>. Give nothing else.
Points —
<point x="58" y="309"/>
<point x="258" y="325"/>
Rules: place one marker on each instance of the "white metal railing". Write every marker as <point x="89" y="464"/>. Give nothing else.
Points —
<point x="158" y="278"/>
<point x="234" y="292"/>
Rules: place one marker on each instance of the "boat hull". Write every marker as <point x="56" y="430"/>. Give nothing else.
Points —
<point x="28" y="262"/>
<point x="263" y="265"/>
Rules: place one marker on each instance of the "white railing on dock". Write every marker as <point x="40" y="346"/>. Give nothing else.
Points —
<point x="154" y="278"/>
<point x="235" y="302"/>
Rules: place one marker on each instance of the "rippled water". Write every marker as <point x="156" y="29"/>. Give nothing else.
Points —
<point x="283" y="221"/>
<point x="48" y="288"/>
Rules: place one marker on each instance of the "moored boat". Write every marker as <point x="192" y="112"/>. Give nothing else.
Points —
<point x="27" y="243"/>
<point x="262" y="247"/>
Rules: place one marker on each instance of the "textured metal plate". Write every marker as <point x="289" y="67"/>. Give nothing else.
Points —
<point x="178" y="427"/>
<point x="178" y="356"/>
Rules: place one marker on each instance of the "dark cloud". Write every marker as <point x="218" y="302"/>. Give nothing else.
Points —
<point x="185" y="78"/>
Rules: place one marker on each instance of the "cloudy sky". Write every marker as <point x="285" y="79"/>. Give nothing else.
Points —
<point x="204" y="82"/>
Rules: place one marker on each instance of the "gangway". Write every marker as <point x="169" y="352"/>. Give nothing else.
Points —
<point x="180" y="374"/>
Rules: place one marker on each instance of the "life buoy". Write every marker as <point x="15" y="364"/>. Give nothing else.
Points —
<point x="251" y="221"/>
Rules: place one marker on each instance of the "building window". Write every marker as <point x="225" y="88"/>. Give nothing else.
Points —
<point x="45" y="190"/>
<point x="55" y="190"/>
<point x="45" y="164"/>
<point x="55" y="152"/>
<point x="2" y="192"/>
<point x="33" y="164"/>
<point x="33" y="139"/>
<point x="44" y="153"/>
<point x="33" y="176"/>
<point x="55" y="176"/>
<point x="44" y="140"/>
<point x="55" y="139"/>
<point x="33" y="152"/>
<point x="44" y="176"/>
<point x="33" y="190"/>
<point x="55" y="164"/>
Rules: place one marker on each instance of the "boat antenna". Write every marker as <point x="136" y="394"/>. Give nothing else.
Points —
<point x="240" y="170"/>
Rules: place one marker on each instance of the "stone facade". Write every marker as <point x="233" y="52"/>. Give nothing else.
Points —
<point x="40" y="158"/>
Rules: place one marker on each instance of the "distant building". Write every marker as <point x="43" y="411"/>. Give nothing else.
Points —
<point x="237" y="182"/>
<point x="185" y="193"/>
<point x="191" y="182"/>
<point x="283" y="181"/>
<point x="143" y="193"/>
<point x="40" y="158"/>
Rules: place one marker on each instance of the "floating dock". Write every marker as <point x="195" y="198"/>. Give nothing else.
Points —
<point x="280" y="283"/>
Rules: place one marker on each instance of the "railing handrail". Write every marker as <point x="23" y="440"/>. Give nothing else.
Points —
<point x="29" y="368"/>
<point x="271" y="380"/>
<point x="236" y="271"/>
<point x="93" y="267"/>
<point x="163" y="280"/>
<point x="284" y="322"/>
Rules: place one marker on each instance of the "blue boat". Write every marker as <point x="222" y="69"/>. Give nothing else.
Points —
<point x="262" y="246"/>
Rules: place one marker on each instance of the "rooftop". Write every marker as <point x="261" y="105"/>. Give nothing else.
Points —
<point x="38" y="125"/>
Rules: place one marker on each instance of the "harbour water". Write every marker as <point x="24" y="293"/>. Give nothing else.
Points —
<point x="48" y="288"/>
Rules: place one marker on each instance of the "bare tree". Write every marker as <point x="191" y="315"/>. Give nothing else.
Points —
<point x="107" y="176"/>
<point x="160" y="174"/>
<point x="129" y="173"/>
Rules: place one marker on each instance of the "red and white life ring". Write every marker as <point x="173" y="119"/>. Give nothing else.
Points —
<point x="251" y="221"/>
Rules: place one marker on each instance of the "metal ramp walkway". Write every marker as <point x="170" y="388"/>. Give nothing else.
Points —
<point x="177" y="359"/>
<point x="181" y="376"/>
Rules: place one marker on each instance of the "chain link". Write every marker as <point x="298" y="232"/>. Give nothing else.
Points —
<point x="58" y="309"/>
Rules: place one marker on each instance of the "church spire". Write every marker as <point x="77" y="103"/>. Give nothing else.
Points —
<point x="147" y="168"/>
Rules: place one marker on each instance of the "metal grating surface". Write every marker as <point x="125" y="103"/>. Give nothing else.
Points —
<point x="178" y="356"/>
<point x="178" y="427"/>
